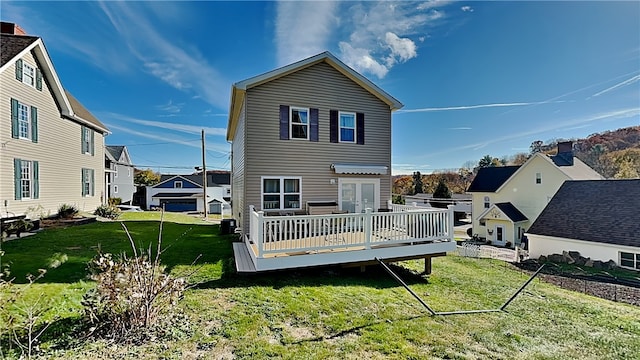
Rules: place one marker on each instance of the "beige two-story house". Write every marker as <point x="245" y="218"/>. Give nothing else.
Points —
<point x="508" y="199"/>
<point x="312" y="132"/>
<point x="51" y="147"/>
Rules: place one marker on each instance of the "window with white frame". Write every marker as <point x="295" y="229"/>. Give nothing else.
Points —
<point x="115" y="174"/>
<point x="538" y="178"/>
<point x="347" y="123"/>
<point x="177" y="185"/>
<point x="87" y="182"/>
<point x="26" y="179"/>
<point x="28" y="74"/>
<point x="24" y="122"/>
<point x="487" y="202"/>
<point x="86" y="140"/>
<point x="281" y="193"/>
<point x="115" y="189"/>
<point x="630" y="260"/>
<point x="299" y="123"/>
<point x="128" y="172"/>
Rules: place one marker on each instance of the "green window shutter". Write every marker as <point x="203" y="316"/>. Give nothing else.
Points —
<point x="91" y="147"/>
<point x="15" y="130"/>
<point x="17" y="176"/>
<point x="19" y="70"/>
<point x="36" y="181"/>
<point x="84" y="193"/>
<point x="92" y="182"/>
<point x="83" y="138"/>
<point x="34" y="124"/>
<point x="38" y="79"/>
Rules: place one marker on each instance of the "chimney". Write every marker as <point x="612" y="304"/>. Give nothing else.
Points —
<point x="11" y="28"/>
<point x="565" y="152"/>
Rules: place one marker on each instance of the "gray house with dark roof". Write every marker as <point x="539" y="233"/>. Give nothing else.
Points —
<point x="184" y="193"/>
<point x="508" y="199"/>
<point x="600" y="219"/>
<point x="52" y="146"/>
<point x="118" y="173"/>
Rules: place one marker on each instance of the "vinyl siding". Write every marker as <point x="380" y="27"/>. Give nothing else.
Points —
<point x="237" y="173"/>
<point x="124" y="181"/>
<point x="322" y="87"/>
<point x="57" y="150"/>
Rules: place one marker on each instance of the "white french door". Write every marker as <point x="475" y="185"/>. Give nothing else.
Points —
<point x="356" y="195"/>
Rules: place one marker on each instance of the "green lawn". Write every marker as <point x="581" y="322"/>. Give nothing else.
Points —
<point x="325" y="313"/>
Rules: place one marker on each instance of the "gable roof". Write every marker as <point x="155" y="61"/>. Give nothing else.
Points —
<point x="511" y="211"/>
<point x="195" y="179"/>
<point x="115" y="151"/>
<point x="16" y="46"/>
<point x="239" y="89"/>
<point x="603" y="211"/>
<point x="489" y="179"/>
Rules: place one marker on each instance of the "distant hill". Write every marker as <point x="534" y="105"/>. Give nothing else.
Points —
<point x="614" y="154"/>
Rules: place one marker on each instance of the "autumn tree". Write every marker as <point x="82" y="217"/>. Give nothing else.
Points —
<point x="518" y="159"/>
<point x="146" y="177"/>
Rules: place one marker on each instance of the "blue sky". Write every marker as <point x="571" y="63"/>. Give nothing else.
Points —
<point x="476" y="78"/>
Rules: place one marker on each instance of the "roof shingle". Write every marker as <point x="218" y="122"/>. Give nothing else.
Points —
<point x="489" y="179"/>
<point x="603" y="211"/>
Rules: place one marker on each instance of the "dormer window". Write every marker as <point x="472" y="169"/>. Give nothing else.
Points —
<point x="177" y="185"/>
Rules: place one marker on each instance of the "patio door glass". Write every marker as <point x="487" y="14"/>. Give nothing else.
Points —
<point x="356" y="195"/>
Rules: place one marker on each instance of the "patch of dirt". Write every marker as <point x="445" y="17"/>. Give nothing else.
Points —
<point x="589" y="285"/>
<point x="298" y="333"/>
<point x="63" y="223"/>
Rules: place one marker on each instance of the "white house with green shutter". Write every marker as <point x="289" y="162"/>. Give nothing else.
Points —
<point x="51" y="147"/>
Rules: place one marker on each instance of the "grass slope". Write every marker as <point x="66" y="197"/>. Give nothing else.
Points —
<point x="328" y="313"/>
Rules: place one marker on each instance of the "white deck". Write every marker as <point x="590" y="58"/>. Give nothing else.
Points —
<point x="283" y="242"/>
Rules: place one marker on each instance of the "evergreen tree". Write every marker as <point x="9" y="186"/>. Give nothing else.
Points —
<point x="417" y="183"/>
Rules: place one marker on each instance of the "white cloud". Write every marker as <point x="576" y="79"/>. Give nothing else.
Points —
<point x="192" y="129"/>
<point x="170" y="107"/>
<point x="618" y="85"/>
<point x="402" y="49"/>
<point x="468" y="107"/>
<point x="303" y="28"/>
<point x="361" y="60"/>
<point x="467" y="8"/>
<point x="461" y="128"/>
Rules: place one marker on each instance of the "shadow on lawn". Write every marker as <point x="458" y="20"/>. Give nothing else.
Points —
<point x="374" y="276"/>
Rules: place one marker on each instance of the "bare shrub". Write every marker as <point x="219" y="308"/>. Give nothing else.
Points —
<point x="108" y="211"/>
<point x="135" y="299"/>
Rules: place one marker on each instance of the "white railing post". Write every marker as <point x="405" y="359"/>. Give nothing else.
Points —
<point x="451" y="217"/>
<point x="389" y="204"/>
<point x="260" y="229"/>
<point x="368" y="220"/>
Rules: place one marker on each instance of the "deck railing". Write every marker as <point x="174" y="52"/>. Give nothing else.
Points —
<point x="317" y="233"/>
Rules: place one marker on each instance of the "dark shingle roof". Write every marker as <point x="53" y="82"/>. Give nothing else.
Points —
<point x="82" y="112"/>
<point x="603" y="211"/>
<point x="12" y="45"/>
<point x="489" y="179"/>
<point x="511" y="211"/>
<point x="115" y="151"/>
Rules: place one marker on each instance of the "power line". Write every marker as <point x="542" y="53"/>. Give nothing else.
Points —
<point x="162" y="143"/>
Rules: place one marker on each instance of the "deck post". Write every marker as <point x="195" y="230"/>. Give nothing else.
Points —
<point x="452" y="218"/>
<point x="427" y="265"/>
<point x="260" y="228"/>
<point x="368" y="220"/>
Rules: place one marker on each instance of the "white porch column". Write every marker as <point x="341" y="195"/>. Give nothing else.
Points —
<point x="451" y="221"/>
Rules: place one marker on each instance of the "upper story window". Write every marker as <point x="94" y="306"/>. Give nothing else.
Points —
<point x="281" y="193"/>
<point x="87" y="140"/>
<point x="28" y="74"/>
<point x="128" y="172"/>
<point x="24" y="121"/>
<point x="177" y="185"/>
<point x="115" y="174"/>
<point x="347" y="125"/>
<point x="538" y="178"/>
<point x="299" y="123"/>
<point x="487" y="202"/>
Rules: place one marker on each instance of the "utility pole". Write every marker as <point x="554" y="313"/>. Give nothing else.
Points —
<point x="204" y="179"/>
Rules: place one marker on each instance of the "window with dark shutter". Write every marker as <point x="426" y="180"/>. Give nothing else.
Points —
<point x="15" y="126"/>
<point x="360" y="128"/>
<point x="284" y="122"/>
<point x="313" y="123"/>
<point x="333" y="126"/>
<point x="34" y="124"/>
<point x="38" y="79"/>
<point x="19" y="69"/>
